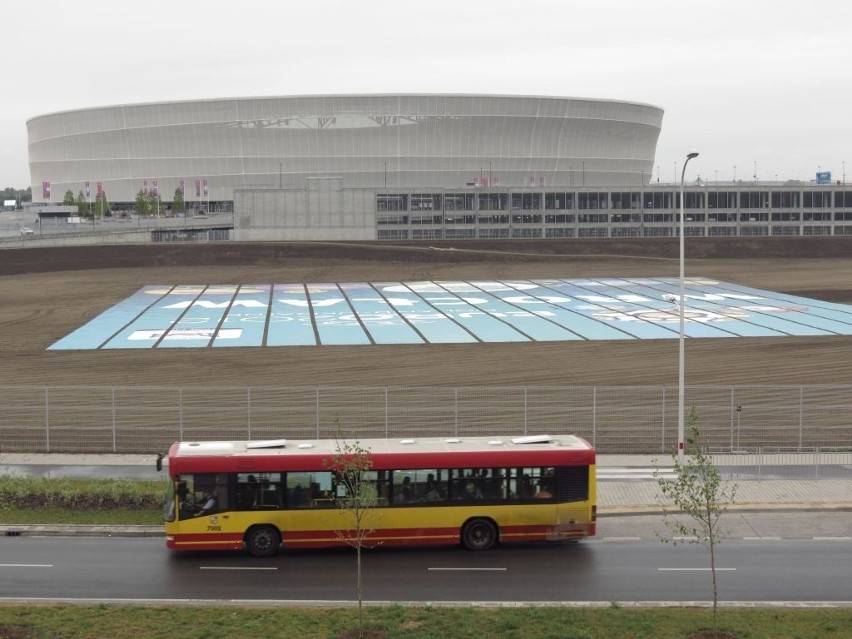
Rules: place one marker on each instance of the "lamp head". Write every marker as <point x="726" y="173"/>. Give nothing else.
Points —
<point x="692" y="154"/>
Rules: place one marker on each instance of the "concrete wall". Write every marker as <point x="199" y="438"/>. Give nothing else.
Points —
<point x="322" y="211"/>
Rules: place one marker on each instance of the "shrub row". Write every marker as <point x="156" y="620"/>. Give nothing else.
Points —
<point x="32" y="493"/>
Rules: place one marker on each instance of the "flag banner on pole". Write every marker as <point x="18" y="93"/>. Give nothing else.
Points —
<point x="181" y="187"/>
<point x="205" y="188"/>
<point x="100" y="189"/>
<point x="155" y="188"/>
<point x="88" y="190"/>
<point x="144" y="187"/>
<point x="45" y="190"/>
<point x="197" y="187"/>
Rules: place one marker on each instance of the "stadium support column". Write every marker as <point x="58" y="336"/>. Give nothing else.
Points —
<point x="681" y="359"/>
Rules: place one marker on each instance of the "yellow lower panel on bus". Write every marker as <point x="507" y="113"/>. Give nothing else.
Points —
<point x="416" y="525"/>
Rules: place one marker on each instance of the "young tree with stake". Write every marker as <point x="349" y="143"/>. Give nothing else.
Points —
<point x="356" y="499"/>
<point x="701" y="497"/>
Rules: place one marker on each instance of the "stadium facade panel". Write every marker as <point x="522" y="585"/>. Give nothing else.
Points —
<point x="367" y="141"/>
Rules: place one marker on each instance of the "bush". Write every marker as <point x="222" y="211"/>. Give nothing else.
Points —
<point x="34" y="493"/>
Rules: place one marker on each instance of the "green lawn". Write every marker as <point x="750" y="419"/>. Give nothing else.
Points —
<point x="396" y="622"/>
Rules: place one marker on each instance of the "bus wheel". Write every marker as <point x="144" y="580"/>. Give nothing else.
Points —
<point x="479" y="534"/>
<point x="262" y="541"/>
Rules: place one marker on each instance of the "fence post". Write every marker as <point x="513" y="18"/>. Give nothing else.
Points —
<point x="456" y="411"/>
<point x="113" y="422"/>
<point x="47" y="417"/>
<point x="801" y="410"/>
<point x="248" y="409"/>
<point x="594" y="416"/>
<point x="733" y="403"/>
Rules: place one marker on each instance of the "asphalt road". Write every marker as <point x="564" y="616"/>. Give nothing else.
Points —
<point x="612" y="568"/>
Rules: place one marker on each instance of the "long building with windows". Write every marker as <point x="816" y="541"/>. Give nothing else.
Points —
<point x="710" y="210"/>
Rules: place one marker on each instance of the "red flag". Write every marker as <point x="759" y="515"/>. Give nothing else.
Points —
<point x="45" y="189"/>
<point x="197" y="187"/>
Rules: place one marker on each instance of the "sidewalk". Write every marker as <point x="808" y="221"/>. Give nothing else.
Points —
<point x="640" y="496"/>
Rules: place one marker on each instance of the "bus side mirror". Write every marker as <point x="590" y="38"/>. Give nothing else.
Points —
<point x="160" y="461"/>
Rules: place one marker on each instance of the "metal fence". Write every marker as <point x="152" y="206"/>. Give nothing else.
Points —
<point x="636" y="419"/>
<point x="774" y="462"/>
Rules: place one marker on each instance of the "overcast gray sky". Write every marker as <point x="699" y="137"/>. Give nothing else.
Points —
<point x="742" y="81"/>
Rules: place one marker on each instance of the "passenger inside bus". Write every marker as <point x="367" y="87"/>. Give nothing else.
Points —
<point x="543" y="491"/>
<point x="406" y="492"/>
<point x="433" y="491"/>
<point x="210" y="502"/>
<point x="525" y="487"/>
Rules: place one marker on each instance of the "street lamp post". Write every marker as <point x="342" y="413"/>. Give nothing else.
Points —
<point x="681" y="361"/>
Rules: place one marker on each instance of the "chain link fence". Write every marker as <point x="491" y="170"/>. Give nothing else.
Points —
<point x="635" y="419"/>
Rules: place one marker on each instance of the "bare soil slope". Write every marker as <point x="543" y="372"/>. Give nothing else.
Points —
<point x="47" y="293"/>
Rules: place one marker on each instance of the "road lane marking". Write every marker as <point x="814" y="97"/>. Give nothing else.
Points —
<point x="832" y="538"/>
<point x="237" y="568"/>
<point x="26" y="565"/>
<point x="695" y="569"/>
<point x="621" y="539"/>
<point x="762" y="538"/>
<point x="469" y="569"/>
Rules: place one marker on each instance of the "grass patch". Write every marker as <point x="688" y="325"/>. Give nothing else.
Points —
<point x="396" y="622"/>
<point x="39" y="500"/>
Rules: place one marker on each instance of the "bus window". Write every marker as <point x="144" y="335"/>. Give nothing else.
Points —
<point x="211" y="490"/>
<point x="373" y="487"/>
<point x="530" y="483"/>
<point x="309" y="490"/>
<point x="546" y="484"/>
<point x="404" y="487"/>
<point x="259" y="491"/>
<point x="467" y="484"/>
<point x="430" y="485"/>
<point x="494" y="483"/>
<point x="248" y="492"/>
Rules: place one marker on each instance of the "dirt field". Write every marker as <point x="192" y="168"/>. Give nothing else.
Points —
<point x="47" y="293"/>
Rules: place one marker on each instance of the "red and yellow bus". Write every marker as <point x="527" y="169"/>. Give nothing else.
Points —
<point x="477" y="491"/>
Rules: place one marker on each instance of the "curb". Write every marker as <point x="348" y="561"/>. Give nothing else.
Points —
<point x="72" y="530"/>
<point x="83" y="530"/>
<point x="779" y="507"/>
